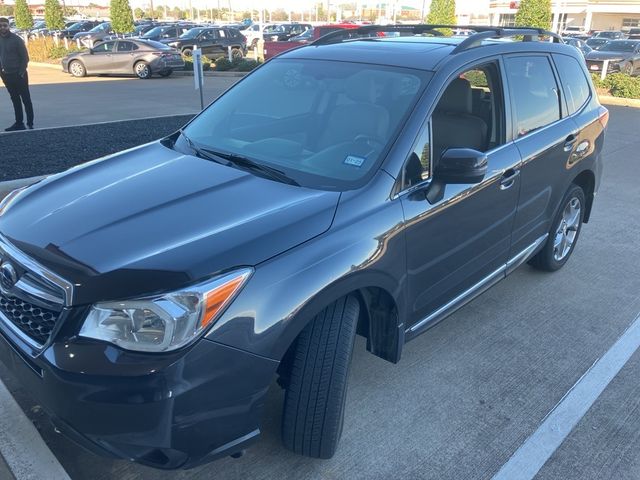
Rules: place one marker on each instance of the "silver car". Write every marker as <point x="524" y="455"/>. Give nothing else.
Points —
<point x="142" y="58"/>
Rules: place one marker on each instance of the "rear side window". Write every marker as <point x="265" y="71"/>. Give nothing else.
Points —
<point x="534" y="93"/>
<point x="574" y="83"/>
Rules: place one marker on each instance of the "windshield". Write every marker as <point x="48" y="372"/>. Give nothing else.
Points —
<point x="101" y="27"/>
<point x="324" y="124"/>
<point x="620" y="47"/>
<point x="154" y="32"/>
<point x="191" y="33"/>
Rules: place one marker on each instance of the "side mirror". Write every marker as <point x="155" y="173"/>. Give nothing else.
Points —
<point x="461" y="165"/>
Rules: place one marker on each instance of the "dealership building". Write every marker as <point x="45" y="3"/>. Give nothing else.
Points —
<point x="590" y="14"/>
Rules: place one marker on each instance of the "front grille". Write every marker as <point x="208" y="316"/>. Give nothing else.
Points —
<point x="34" y="321"/>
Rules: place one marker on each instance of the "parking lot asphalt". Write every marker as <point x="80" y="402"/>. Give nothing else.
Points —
<point x="468" y="393"/>
<point x="62" y="100"/>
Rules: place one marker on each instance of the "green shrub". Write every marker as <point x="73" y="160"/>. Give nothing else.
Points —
<point x="624" y="86"/>
<point x="246" y="65"/>
<point x="44" y="50"/>
<point x="597" y="82"/>
<point x="223" y="64"/>
<point x="188" y="64"/>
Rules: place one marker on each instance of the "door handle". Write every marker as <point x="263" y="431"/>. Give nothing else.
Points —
<point x="570" y="142"/>
<point x="508" y="178"/>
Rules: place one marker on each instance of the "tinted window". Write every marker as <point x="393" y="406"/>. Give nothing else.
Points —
<point x="324" y="123"/>
<point x="103" y="47"/>
<point x="126" y="47"/>
<point x="534" y="93"/>
<point x="574" y="83"/>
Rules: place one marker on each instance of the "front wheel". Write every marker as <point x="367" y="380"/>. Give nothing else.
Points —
<point x="142" y="70"/>
<point x="76" y="68"/>
<point x="317" y="382"/>
<point x="187" y="52"/>
<point x="564" y="232"/>
<point x="165" y="73"/>
<point x="628" y="69"/>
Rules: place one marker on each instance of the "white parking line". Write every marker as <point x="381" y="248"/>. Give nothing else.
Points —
<point x="538" y="448"/>
<point x="21" y="445"/>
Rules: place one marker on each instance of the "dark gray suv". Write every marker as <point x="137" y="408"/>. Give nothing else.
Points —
<point x="368" y="184"/>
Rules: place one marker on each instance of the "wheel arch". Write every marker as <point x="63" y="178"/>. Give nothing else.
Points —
<point x="379" y="318"/>
<point x="587" y="181"/>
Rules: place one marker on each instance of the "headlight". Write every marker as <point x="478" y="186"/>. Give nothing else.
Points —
<point x="166" y="322"/>
<point x="6" y="202"/>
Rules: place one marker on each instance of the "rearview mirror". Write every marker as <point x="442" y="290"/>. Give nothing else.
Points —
<point x="461" y="165"/>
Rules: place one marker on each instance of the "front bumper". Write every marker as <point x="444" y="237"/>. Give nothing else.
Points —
<point x="174" y="410"/>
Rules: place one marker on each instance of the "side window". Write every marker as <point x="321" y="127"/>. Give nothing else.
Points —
<point x="534" y="92"/>
<point x="126" y="47"/>
<point x="418" y="166"/>
<point x="105" y="47"/>
<point x="574" y="83"/>
<point x="221" y="34"/>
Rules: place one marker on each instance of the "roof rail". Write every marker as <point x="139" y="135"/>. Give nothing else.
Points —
<point x="483" y="33"/>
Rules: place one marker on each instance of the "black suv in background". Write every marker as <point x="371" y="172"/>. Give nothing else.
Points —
<point x="167" y="32"/>
<point x="364" y="187"/>
<point x="213" y="41"/>
<point x="78" y="27"/>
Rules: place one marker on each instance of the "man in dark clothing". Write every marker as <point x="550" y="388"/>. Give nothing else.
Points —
<point x="13" y="71"/>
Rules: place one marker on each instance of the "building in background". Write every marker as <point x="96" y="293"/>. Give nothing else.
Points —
<point x="589" y="14"/>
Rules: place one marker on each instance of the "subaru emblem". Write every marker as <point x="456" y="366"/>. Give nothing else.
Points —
<point x="8" y="277"/>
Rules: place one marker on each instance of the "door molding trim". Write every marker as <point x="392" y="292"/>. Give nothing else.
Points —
<point x="477" y="289"/>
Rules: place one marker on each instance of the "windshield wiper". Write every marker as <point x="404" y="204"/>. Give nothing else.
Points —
<point x="239" y="161"/>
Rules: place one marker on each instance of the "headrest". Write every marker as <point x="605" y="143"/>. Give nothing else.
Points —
<point x="457" y="97"/>
<point x="365" y="87"/>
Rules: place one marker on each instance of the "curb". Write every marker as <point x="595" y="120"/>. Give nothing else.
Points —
<point x="56" y="66"/>
<point x="21" y="447"/>
<point x="622" y="102"/>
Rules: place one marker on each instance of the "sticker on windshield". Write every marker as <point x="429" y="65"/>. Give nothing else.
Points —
<point x="354" y="161"/>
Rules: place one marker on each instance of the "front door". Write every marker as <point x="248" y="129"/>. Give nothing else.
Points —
<point x="458" y="241"/>
<point x="101" y="60"/>
<point x="123" y="56"/>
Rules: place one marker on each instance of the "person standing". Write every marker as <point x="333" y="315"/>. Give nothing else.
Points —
<point x="13" y="71"/>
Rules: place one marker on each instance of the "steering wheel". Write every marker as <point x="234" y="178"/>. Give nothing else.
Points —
<point x="369" y="140"/>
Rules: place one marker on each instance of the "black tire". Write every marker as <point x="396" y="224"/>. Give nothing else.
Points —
<point x="628" y="68"/>
<point x="546" y="258"/>
<point x="165" y="73"/>
<point x="317" y="385"/>
<point x="142" y="70"/>
<point x="77" y="69"/>
<point x="187" y="52"/>
<point x="237" y="54"/>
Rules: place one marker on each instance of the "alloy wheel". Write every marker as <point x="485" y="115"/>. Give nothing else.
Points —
<point x="567" y="229"/>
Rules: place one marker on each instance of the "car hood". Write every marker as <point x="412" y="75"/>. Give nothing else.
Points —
<point x="605" y="55"/>
<point x="152" y="219"/>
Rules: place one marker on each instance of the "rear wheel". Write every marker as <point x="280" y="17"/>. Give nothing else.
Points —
<point x="237" y="54"/>
<point x="628" y="69"/>
<point x="564" y="232"/>
<point x="317" y="382"/>
<point x="187" y="52"/>
<point x="142" y="70"/>
<point x="76" y="68"/>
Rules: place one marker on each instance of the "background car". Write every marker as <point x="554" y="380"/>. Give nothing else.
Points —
<point x="623" y="55"/>
<point x="610" y="35"/>
<point x="596" y="43"/>
<point x="167" y="32"/>
<point x="579" y="44"/>
<point x="142" y="58"/>
<point x="213" y="41"/>
<point x="634" y="34"/>
<point x="574" y="30"/>
<point x="284" y="31"/>
<point x="77" y="27"/>
<point x="96" y="34"/>
<point x="138" y="31"/>
<point x="304" y="37"/>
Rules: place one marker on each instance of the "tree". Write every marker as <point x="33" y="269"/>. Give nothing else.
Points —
<point x="121" y="16"/>
<point x="53" y="16"/>
<point x="24" y="20"/>
<point x="534" y="13"/>
<point x="138" y="13"/>
<point x="6" y="10"/>
<point x="442" y="12"/>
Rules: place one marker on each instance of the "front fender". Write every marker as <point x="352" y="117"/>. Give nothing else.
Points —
<point x="365" y="247"/>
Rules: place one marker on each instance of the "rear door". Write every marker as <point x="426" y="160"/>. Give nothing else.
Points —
<point x="545" y="137"/>
<point x="123" y="56"/>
